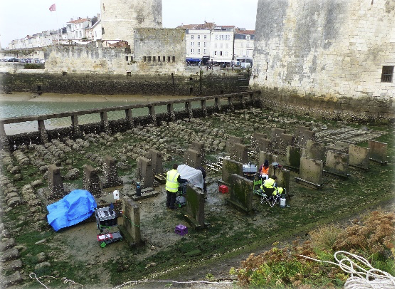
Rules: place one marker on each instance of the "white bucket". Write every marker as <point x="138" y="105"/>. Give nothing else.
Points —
<point x="116" y="195"/>
<point x="282" y="202"/>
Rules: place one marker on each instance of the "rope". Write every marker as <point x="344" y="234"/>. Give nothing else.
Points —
<point x="352" y="264"/>
<point x="64" y="279"/>
<point x="171" y="281"/>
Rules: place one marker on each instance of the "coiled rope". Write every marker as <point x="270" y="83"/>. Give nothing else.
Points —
<point x="361" y="278"/>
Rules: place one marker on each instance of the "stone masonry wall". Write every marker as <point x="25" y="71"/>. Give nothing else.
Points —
<point x="119" y="18"/>
<point x="160" y="50"/>
<point x="331" y="49"/>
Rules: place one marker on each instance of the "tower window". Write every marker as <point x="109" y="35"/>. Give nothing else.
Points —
<point x="387" y="73"/>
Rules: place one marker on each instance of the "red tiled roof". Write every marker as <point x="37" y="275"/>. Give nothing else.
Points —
<point x="79" y="20"/>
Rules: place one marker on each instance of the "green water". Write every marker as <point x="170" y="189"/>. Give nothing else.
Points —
<point x="27" y="104"/>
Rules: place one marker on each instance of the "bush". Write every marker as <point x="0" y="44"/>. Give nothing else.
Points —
<point x="372" y="238"/>
<point x="34" y="66"/>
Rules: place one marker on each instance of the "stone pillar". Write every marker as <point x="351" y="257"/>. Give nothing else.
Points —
<point x="203" y="104"/>
<point x="292" y="157"/>
<point x="4" y="143"/>
<point x="240" y="153"/>
<point x="92" y="181"/>
<point x="151" y="110"/>
<point x="378" y="151"/>
<point x="230" y="144"/>
<point x="314" y="151"/>
<point x="111" y="178"/>
<point x="193" y="158"/>
<point x="144" y="172"/>
<point x="302" y="135"/>
<point x="104" y="122"/>
<point x="195" y="206"/>
<point x="129" y="117"/>
<point x="267" y="156"/>
<point x="188" y="109"/>
<point x="240" y="193"/>
<point x="311" y="171"/>
<point x="230" y="103"/>
<point x="75" y="126"/>
<point x="336" y="163"/>
<point x="264" y="145"/>
<point x="230" y="167"/>
<point x="358" y="156"/>
<point x="42" y="131"/>
<point x="217" y="104"/>
<point x="170" y="112"/>
<point x="55" y="182"/>
<point x="156" y="161"/>
<point x="283" y="178"/>
<point x="131" y="221"/>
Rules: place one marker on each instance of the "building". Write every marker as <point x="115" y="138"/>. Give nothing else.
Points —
<point x="219" y="44"/>
<point x="119" y="18"/>
<point x="198" y="39"/>
<point x="222" y="41"/>
<point x="244" y="43"/>
<point x="76" y="29"/>
<point x="326" y="49"/>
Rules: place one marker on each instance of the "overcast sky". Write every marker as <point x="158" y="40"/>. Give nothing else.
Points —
<point x="19" y="18"/>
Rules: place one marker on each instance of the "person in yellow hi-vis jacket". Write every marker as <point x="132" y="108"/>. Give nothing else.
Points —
<point x="173" y="179"/>
<point x="270" y="187"/>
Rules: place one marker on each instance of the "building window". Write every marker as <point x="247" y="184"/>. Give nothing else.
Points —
<point x="192" y="43"/>
<point x="387" y="73"/>
<point x="153" y="58"/>
<point x="102" y="30"/>
<point x="205" y="51"/>
<point x="164" y="58"/>
<point x="149" y="58"/>
<point x="168" y="58"/>
<point x="204" y="44"/>
<point x="199" y="51"/>
<point x="145" y="58"/>
<point x="173" y="59"/>
<point x="158" y="58"/>
<point x="198" y="44"/>
<point x="126" y="58"/>
<point x="205" y="36"/>
<point x="192" y="36"/>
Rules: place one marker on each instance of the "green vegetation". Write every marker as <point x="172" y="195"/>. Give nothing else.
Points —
<point x="34" y="66"/>
<point x="372" y="238"/>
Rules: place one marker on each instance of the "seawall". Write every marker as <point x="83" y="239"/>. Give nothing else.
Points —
<point x="171" y="84"/>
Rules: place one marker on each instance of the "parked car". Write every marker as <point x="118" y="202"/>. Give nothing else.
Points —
<point x="13" y="59"/>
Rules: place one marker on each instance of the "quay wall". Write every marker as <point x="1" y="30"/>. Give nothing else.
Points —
<point x="170" y="84"/>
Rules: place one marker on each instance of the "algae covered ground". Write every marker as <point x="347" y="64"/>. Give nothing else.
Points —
<point x="74" y="253"/>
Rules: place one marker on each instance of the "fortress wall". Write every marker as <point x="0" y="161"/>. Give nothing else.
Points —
<point x="160" y="50"/>
<point x="331" y="49"/>
<point x="119" y="18"/>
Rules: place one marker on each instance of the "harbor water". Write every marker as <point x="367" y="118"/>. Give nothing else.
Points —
<point x="29" y="104"/>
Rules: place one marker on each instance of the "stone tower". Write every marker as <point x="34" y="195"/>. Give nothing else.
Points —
<point x="119" y="18"/>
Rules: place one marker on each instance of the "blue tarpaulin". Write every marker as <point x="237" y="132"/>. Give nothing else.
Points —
<point x="74" y="208"/>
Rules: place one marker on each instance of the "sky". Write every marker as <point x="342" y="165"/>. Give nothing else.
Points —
<point x="19" y="18"/>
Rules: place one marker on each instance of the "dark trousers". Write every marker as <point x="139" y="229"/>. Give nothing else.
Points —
<point x="171" y="199"/>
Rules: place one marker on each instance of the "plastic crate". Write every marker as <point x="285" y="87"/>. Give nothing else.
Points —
<point x="181" y="230"/>
<point x="223" y="189"/>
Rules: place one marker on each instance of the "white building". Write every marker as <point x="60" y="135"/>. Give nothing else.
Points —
<point x="76" y="29"/>
<point x="220" y="44"/>
<point x="222" y="38"/>
<point x="244" y="43"/>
